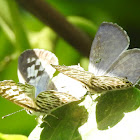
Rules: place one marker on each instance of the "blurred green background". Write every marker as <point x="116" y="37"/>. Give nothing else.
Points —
<point x="20" y="30"/>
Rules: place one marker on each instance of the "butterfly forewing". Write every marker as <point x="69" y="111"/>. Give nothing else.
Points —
<point x="109" y="42"/>
<point x="34" y="68"/>
<point x="80" y="75"/>
<point x="127" y="66"/>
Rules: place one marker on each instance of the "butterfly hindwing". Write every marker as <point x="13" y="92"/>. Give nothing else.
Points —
<point x="127" y="66"/>
<point x="109" y="42"/>
<point x="19" y="94"/>
<point x="50" y="100"/>
<point x="34" y="68"/>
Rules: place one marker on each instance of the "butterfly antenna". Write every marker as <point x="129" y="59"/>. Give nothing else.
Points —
<point x="12" y="113"/>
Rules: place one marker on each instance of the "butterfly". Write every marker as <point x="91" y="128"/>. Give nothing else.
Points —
<point x="111" y="66"/>
<point x="35" y="72"/>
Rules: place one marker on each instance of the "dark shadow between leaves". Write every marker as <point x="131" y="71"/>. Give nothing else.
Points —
<point x="69" y="118"/>
<point x="111" y="106"/>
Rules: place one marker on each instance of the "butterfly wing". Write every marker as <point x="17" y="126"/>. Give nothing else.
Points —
<point x="127" y="66"/>
<point x="75" y="73"/>
<point x="34" y="68"/>
<point x="109" y="42"/>
<point x="66" y="84"/>
<point x="18" y="94"/>
<point x="50" y="100"/>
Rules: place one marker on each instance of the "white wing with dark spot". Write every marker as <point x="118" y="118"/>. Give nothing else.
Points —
<point x="34" y="68"/>
<point x="35" y="71"/>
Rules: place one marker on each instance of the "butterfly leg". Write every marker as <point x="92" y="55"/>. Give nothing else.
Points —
<point x="41" y="120"/>
<point x="54" y="116"/>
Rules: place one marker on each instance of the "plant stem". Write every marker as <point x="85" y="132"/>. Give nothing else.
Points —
<point x="49" y="16"/>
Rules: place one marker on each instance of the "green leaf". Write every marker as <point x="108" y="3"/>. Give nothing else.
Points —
<point x="112" y="106"/>
<point x="64" y="126"/>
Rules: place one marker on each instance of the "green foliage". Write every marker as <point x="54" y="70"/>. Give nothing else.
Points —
<point x="12" y="137"/>
<point x="86" y="119"/>
<point x="62" y="126"/>
<point x="115" y="113"/>
<point x="112" y="106"/>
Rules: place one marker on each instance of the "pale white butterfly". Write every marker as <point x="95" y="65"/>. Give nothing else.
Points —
<point x="34" y="72"/>
<point x="111" y="66"/>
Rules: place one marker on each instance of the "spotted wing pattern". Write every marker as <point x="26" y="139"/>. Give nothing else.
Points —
<point x="34" y="68"/>
<point x="80" y="75"/>
<point x="18" y="94"/>
<point x="50" y="100"/>
<point x="44" y="103"/>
